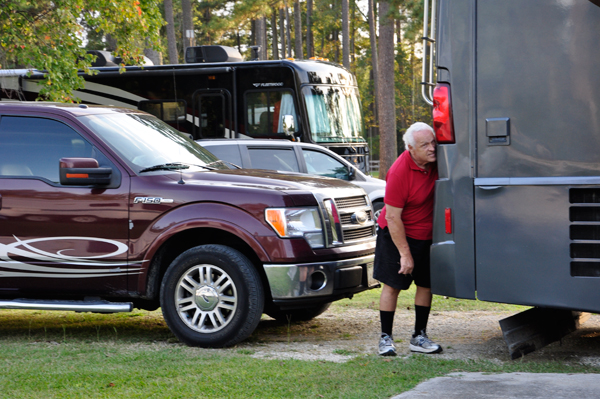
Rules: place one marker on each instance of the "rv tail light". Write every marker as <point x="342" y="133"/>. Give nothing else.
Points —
<point x="448" y="217"/>
<point x="442" y="114"/>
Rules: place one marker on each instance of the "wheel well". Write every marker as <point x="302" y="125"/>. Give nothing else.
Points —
<point x="185" y="240"/>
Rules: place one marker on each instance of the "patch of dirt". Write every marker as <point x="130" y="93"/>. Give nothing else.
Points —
<point x="341" y="334"/>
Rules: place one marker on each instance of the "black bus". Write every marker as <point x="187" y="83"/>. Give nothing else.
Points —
<point x="220" y="96"/>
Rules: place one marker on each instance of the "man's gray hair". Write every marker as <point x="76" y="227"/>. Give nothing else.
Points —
<point x="409" y="137"/>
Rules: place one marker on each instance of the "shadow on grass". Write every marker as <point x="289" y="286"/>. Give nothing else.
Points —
<point x="135" y="327"/>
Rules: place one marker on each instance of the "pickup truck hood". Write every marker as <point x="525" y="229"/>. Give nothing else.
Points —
<point x="241" y="185"/>
<point x="265" y="179"/>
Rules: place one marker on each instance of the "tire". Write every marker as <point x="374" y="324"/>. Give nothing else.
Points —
<point x="211" y="296"/>
<point x="304" y="314"/>
<point x="377" y="208"/>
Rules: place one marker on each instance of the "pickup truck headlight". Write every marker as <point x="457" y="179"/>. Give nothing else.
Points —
<point x="297" y="222"/>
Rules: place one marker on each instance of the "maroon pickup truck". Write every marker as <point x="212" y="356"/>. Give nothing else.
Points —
<point x="106" y="209"/>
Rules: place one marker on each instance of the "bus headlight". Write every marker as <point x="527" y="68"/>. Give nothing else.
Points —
<point x="297" y="222"/>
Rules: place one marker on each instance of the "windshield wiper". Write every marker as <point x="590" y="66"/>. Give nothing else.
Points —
<point x="165" y="166"/>
<point x="174" y="166"/>
<point x="225" y="162"/>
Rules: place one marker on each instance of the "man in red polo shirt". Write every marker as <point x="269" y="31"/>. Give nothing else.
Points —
<point x="404" y="237"/>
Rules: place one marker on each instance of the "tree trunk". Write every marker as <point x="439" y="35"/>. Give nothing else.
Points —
<point x="310" y="46"/>
<point x="153" y="55"/>
<point x="189" y="38"/>
<point x="171" y="41"/>
<point x="388" y="148"/>
<point x="282" y="32"/>
<point x="288" y="32"/>
<point x="352" y="31"/>
<point x="374" y="58"/>
<point x="274" y="33"/>
<point x="298" y="30"/>
<point x="261" y="39"/>
<point x="345" y="34"/>
<point x="206" y="18"/>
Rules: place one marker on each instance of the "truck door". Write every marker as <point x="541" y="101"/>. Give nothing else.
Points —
<point x="537" y="181"/>
<point x="55" y="238"/>
<point x="214" y="119"/>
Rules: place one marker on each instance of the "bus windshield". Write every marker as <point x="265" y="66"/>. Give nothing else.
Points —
<point x="334" y="114"/>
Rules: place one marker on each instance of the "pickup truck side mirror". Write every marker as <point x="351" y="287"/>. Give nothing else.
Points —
<point x="83" y="172"/>
<point x="351" y="173"/>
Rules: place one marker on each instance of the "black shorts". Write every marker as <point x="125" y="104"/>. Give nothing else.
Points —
<point x="387" y="262"/>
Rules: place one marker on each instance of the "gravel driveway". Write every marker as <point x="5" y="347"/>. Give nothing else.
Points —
<point x="343" y="333"/>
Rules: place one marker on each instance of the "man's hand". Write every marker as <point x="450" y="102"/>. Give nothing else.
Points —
<point x="407" y="264"/>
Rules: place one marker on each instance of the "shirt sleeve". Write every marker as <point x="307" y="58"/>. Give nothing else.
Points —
<point x="396" y="191"/>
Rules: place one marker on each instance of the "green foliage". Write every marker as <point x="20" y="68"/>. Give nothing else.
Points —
<point x="50" y="36"/>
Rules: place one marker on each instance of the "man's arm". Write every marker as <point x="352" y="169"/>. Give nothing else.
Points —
<point x="398" y="234"/>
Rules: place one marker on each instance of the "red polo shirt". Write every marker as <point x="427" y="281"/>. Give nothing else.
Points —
<point x="411" y="188"/>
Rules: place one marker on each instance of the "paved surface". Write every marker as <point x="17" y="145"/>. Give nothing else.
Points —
<point x="507" y="386"/>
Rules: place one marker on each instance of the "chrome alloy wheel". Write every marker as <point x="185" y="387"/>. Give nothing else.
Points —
<point x="206" y="298"/>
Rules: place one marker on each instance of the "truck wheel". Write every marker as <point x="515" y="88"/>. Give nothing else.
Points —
<point x="211" y="296"/>
<point x="304" y="314"/>
<point x="377" y="208"/>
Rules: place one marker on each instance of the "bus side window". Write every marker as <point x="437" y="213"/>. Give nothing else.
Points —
<point x="265" y="111"/>
<point x="167" y="110"/>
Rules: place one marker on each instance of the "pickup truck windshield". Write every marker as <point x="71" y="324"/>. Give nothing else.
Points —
<point x="334" y="114"/>
<point x="145" y="142"/>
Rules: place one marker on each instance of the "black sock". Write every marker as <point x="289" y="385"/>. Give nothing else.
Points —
<point x="421" y="317"/>
<point x="387" y="321"/>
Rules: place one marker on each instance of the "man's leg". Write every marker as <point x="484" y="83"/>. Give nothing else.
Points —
<point x="387" y="308"/>
<point x="420" y="342"/>
<point x="422" y="308"/>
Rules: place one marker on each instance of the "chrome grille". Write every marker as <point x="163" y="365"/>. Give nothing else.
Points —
<point x="347" y="217"/>
<point x="358" y="234"/>
<point x="351" y="202"/>
<point x="355" y="221"/>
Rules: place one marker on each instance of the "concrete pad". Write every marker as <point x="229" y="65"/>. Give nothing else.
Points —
<point x="507" y="386"/>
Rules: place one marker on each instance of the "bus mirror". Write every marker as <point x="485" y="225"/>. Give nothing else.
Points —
<point x="289" y="127"/>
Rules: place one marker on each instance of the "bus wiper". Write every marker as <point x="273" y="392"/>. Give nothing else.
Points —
<point x="165" y="166"/>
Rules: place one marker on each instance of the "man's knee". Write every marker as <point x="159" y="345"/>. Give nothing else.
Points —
<point x="389" y="291"/>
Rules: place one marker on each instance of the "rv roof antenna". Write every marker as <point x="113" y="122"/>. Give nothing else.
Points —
<point x="255" y="53"/>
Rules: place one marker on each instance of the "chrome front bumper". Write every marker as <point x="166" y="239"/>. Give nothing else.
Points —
<point x="307" y="280"/>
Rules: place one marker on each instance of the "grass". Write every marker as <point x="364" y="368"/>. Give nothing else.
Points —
<point x="134" y="355"/>
<point x="370" y="300"/>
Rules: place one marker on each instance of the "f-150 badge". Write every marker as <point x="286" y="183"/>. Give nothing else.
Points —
<point x="152" y="200"/>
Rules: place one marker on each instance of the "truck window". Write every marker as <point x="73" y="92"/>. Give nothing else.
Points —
<point x="265" y="110"/>
<point x="281" y="159"/>
<point x="229" y="153"/>
<point x="167" y="110"/>
<point x="34" y="146"/>
<point x="321" y="164"/>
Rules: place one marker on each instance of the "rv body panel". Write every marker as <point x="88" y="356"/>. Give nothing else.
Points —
<point x="523" y="78"/>
<point x="453" y="254"/>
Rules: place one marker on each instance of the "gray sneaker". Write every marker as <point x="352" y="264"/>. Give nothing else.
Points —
<point x="386" y="345"/>
<point x="422" y="343"/>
